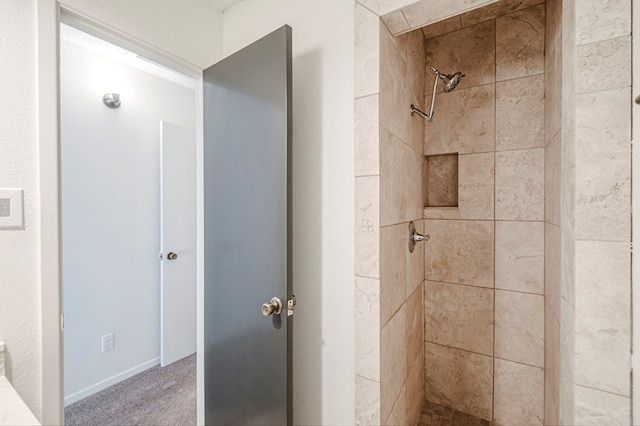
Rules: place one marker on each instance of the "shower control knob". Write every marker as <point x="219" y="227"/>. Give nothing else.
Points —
<point x="172" y="256"/>
<point x="273" y="307"/>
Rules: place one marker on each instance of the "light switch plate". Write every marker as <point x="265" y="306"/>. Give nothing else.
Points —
<point x="11" y="208"/>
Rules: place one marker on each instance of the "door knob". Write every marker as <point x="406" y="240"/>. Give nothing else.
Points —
<point x="273" y="307"/>
<point x="172" y="256"/>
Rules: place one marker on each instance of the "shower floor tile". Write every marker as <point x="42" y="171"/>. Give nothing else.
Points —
<point x="438" y="415"/>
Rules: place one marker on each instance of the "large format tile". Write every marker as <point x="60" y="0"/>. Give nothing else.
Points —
<point x="601" y="20"/>
<point x="367" y="52"/>
<point x="603" y="320"/>
<point x="463" y="122"/>
<point x="520" y="185"/>
<point x="520" y="327"/>
<point x="459" y="316"/>
<point x="367" y="328"/>
<point x="520" y="43"/>
<point x="520" y="256"/>
<point x="603" y="65"/>
<point x="415" y="388"/>
<point x="393" y="272"/>
<point x="603" y="171"/>
<point x="398" y="413"/>
<point x="393" y="358"/>
<point x="519" y="394"/>
<point x="492" y="11"/>
<point x="552" y="89"/>
<point x="552" y="180"/>
<point x="367" y="401"/>
<point x="442" y="27"/>
<point x="475" y="190"/>
<point x="552" y="261"/>
<point x="594" y="407"/>
<point x="459" y="379"/>
<point x="426" y="12"/>
<point x="460" y="252"/>
<point x="396" y="22"/>
<point x="367" y="136"/>
<point x="469" y="50"/>
<point x="367" y="226"/>
<point x="520" y="113"/>
<point x="415" y="324"/>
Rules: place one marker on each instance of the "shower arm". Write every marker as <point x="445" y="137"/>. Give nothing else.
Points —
<point x="429" y="116"/>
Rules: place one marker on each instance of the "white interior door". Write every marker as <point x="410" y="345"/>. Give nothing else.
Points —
<point x="178" y="242"/>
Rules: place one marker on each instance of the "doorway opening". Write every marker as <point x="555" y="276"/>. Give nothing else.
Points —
<point x="128" y="199"/>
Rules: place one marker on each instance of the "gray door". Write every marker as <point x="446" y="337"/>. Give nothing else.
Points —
<point x="247" y="234"/>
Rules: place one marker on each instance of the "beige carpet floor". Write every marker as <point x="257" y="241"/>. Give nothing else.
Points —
<point x="157" y="396"/>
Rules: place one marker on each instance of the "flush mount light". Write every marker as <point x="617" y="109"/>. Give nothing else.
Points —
<point x="112" y="100"/>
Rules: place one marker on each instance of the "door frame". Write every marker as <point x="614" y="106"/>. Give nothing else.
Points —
<point x="48" y="19"/>
<point x="635" y="218"/>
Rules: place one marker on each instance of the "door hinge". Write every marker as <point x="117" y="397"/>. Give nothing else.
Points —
<point x="290" y="304"/>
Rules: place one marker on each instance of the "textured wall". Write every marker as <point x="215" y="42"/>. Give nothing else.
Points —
<point x="19" y="273"/>
<point x="322" y="194"/>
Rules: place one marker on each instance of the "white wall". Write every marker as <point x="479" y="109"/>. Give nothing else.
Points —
<point x="194" y="34"/>
<point x="322" y="194"/>
<point x="19" y="272"/>
<point x="111" y="214"/>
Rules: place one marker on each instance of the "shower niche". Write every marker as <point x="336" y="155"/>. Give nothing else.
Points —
<point x="440" y="178"/>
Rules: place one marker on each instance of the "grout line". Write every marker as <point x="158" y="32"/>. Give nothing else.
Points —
<point x="366" y="96"/>
<point x="604" y="391"/>
<point x="458" y="349"/>
<point x="400" y="139"/>
<point x="495" y="207"/>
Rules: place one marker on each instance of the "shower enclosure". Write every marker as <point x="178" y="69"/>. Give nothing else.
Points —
<point x="500" y="314"/>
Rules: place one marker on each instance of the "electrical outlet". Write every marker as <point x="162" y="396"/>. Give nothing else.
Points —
<point x="107" y="342"/>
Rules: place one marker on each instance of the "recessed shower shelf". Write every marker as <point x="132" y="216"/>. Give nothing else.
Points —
<point x="441" y="179"/>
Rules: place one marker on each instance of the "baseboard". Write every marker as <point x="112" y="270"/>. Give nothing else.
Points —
<point x="77" y="396"/>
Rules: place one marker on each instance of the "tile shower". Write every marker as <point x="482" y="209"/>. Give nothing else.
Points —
<point x="491" y="316"/>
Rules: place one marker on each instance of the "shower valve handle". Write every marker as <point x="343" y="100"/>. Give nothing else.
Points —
<point x="419" y="237"/>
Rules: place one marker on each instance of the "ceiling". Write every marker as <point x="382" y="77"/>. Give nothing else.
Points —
<point x="223" y="4"/>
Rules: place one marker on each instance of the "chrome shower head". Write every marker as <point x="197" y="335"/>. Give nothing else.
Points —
<point x="452" y="81"/>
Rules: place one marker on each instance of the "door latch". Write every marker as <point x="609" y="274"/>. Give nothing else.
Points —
<point x="290" y="304"/>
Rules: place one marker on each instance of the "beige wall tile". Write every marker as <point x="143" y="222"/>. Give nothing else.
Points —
<point x="367" y="52"/>
<point x="520" y="256"/>
<point x="470" y="50"/>
<point x="396" y="22"/>
<point x="415" y="388"/>
<point x="442" y="27"/>
<point x="415" y="261"/>
<point x="367" y="136"/>
<point x="520" y="327"/>
<point x="603" y="65"/>
<point x="459" y="379"/>
<point x="603" y="171"/>
<point x="594" y="407"/>
<point x="463" y="122"/>
<point x="552" y="361"/>
<point x="553" y="91"/>
<point x="460" y="252"/>
<point x="367" y="226"/>
<point x="519" y="394"/>
<point x="367" y="395"/>
<point x="428" y="11"/>
<point x="520" y="113"/>
<point x="459" y="316"/>
<point x="603" y="295"/>
<point x="442" y="180"/>
<point x="367" y="328"/>
<point x="552" y="271"/>
<point x="600" y="20"/>
<point x="520" y="185"/>
<point x="567" y="364"/>
<point x="495" y="10"/>
<point x="393" y="358"/>
<point x="520" y="43"/>
<point x="552" y="180"/>
<point x="382" y="7"/>
<point x="399" y="411"/>
<point x="476" y="174"/>
<point x="413" y="190"/>
<point x="393" y="245"/>
<point x="402" y="84"/>
<point x="415" y="325"/>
